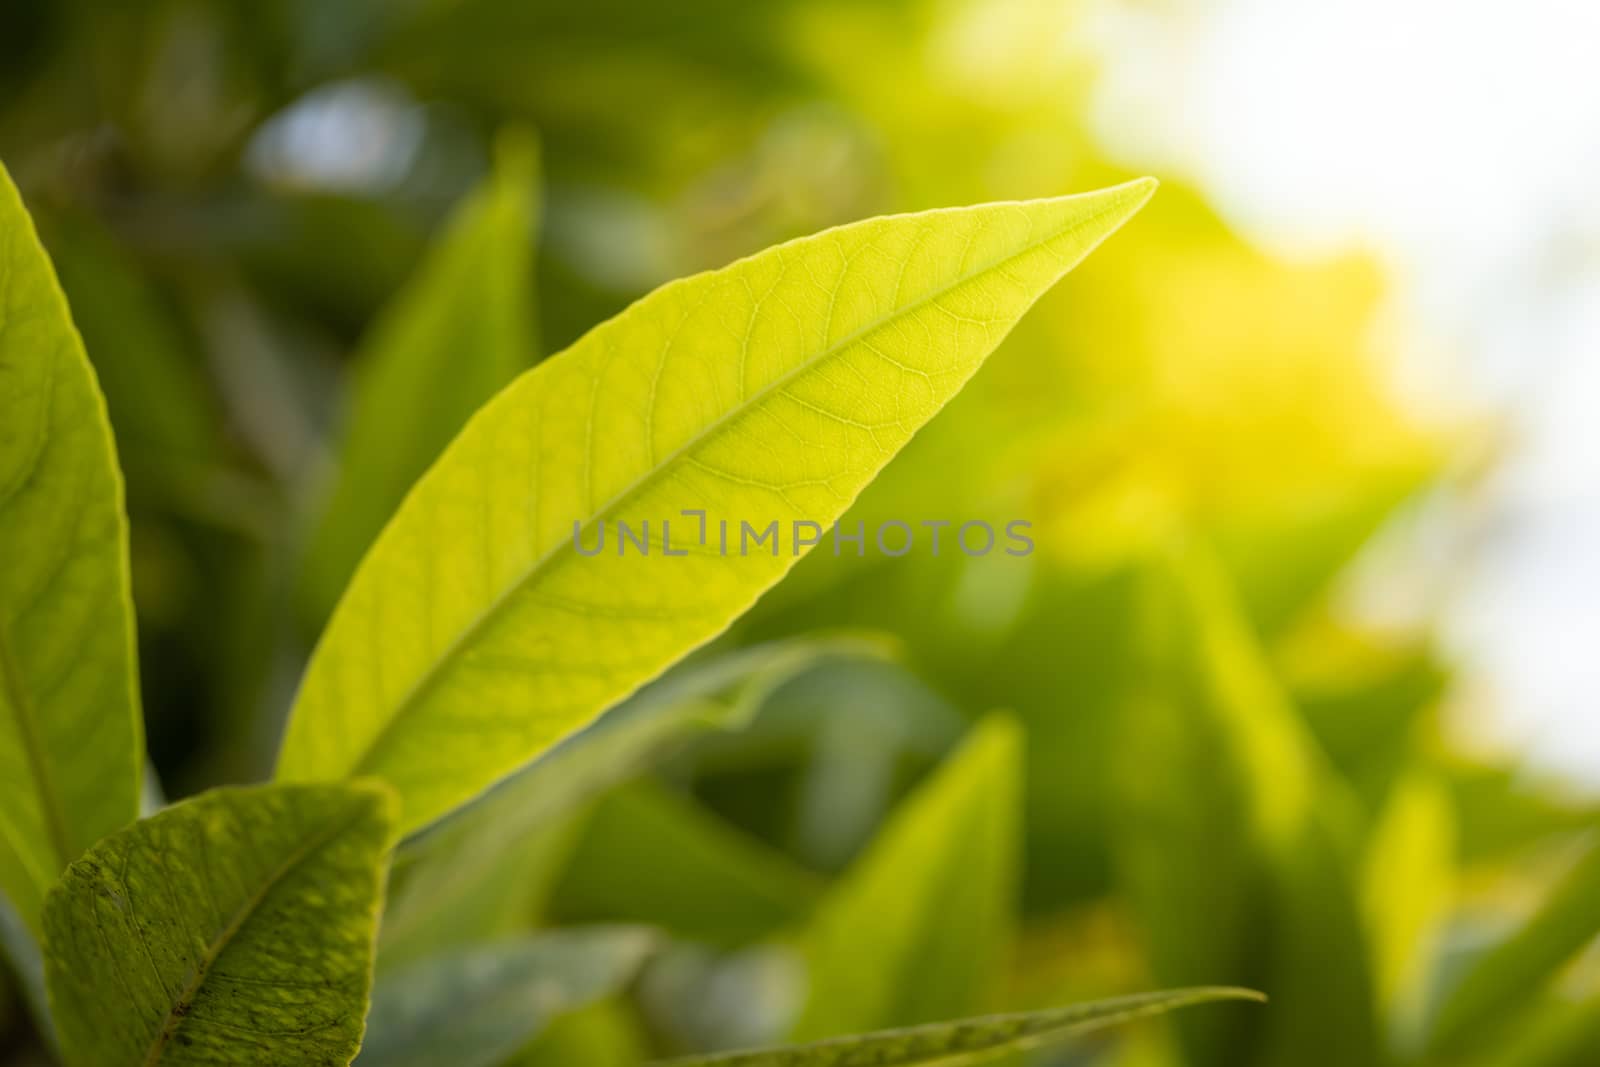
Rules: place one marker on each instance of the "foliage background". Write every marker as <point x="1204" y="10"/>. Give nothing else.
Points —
<point x="1215" y="767"/>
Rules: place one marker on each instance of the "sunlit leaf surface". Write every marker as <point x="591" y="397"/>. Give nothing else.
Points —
<point x="475" y="634"/>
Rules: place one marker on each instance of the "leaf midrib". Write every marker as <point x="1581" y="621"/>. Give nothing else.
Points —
<point x="424" y="685"/>
<point x="219" y="944"/>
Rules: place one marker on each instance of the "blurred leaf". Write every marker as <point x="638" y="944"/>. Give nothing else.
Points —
<point x="698" y="999"/>
<point x="706" y="881"/>
<point x="918" y="929"/>
<point x="459" y="880"/>
<point x="602" y="1034"/>
<point x="237" y="926"/>
<point x="827" y="758"/>
<point x="71" y="736"/>
<point x="478" y="1007"/>
<point x="453" y="338"/>
<point x="446" y="668"/>
<point x="1505" y="810"/>
<point x="1562" y="1034"/>
<point x="160" y="403"/>
<point x="442" y="907"/>
<point x="1508" y="977"/>
<point x="21" y="951"/>
<point x="1366" y="703"/>
<point x="969" y="1040"/>
<point x="1229" y="839"/>
<point x="1409" y="887"/>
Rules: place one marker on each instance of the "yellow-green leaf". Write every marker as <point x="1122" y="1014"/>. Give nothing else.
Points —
<point x="969" y="1041"/>
<point x="474" y="635"/>
<point x="452" y="338"/>
<point x="918" y="928"/>
<point x="71" y="744"/>
<point x="236" y="927"/>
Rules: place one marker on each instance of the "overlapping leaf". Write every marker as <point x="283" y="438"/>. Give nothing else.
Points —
<point x="236" y="927"/>
<point x="475" y="635"/>
<point x="483" y="867"/>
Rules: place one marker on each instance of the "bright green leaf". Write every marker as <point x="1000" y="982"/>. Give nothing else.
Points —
<point x="474" y="635"/>
<point x="71" y="746"/>
<point x="451" y="339"/>
<point x="917" y="929"/>
<point x="969" y="1040"/>
<point x="236" y="927"/>
<point x="475" y="1008"/>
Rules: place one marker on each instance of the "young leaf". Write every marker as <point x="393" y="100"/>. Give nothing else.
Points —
<point x="452" y="339"/>
<point x="236" y="927"/>
<point x="917" y="929"/>
<point x="474" y="635"/>
<point x="475" y="1008"/>
<point x="71" y="745"/>
<point x="969" y="1040"/>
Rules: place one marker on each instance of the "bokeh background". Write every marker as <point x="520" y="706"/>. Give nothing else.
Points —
<point x="1298" y="690"/>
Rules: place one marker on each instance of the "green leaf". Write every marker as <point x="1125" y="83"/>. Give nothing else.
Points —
<point x="457" y="333"/>
<point x="456" y="882"/>
<point x="708" y="881"/>
<point x="1409" y="887"/>
<point x="1507" y="978"/>
<point x="603" y="1034"/>
<point x="918" y="928"/>
<point x="71" y="738"/>
<point x="236" y="927"/>
<point x="1561" y="1033"/>
<point x="476" y="1008"/>
<point x="1229" y="836"/>
<point x="474" y="635"/>
<point x="161" y="405"/>
<point x="969" y="1040"/>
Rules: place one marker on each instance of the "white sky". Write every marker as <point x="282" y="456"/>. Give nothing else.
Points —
<point x="1461" y="141"/>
